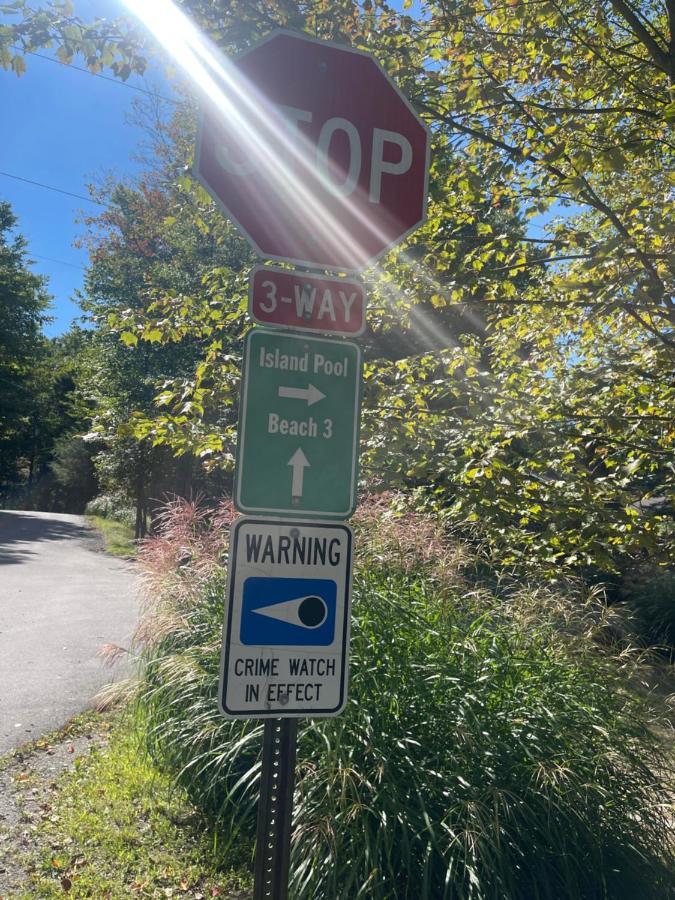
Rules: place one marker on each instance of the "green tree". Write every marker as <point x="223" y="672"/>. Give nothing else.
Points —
<point x="519" y="376"/>
<point x="23" y="305"/>
<point x="150" y="252"/>
<point x="67" y="479"/>
<point x="570" y="427"/>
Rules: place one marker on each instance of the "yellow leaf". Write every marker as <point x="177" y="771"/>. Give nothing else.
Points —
<point x="128" y="338"/>
<point x="18" y="65"/>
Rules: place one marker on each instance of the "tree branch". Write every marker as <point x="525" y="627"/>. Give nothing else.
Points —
<point x="660" y="56"/>
<point x="580" y="110"/>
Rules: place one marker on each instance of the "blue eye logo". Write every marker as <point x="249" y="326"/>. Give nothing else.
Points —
<point x="288" y="612"/>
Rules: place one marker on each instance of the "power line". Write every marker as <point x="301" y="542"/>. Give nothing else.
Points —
<point x="50" y="187"/>
<point x="60" y="261"/>
<point x="117" y="81"/>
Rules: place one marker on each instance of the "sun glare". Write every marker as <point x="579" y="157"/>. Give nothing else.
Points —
<point x="270" y="142"/>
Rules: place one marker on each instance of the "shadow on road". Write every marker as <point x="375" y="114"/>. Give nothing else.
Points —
<point x="18" y="530"/>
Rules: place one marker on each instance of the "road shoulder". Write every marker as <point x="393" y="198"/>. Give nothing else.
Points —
<point x="84" y="812"/>
<point x="29" y="778"/>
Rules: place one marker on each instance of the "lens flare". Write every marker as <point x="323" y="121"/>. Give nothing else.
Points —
<point x="320" y="198"/>
<point x="273" y="144"/>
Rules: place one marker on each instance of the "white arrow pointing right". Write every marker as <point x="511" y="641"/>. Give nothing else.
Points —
<point x="298" y="462"/>
<point x="311" y="394"/>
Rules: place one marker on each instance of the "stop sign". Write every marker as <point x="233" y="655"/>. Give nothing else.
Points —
<point x="315" y="154"/>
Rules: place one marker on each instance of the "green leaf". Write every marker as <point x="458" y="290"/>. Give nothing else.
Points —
<point x="613" y="160"/>
<point x="555" y="153"/>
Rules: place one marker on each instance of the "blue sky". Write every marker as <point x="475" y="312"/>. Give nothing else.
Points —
<point x="64" y="128"/>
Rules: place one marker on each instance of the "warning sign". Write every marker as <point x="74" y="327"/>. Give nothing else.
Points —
<point x="286" y="630"/>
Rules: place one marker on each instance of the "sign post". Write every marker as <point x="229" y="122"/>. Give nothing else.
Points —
<point x="319" y="159"/>
<point x="275" y="810"/>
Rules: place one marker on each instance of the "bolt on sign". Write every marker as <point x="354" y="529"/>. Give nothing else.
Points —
<point x="319" y="158"/>
<point x="286" y="626"/>
<point x="304" y="302"/>
<point x="299" y="424"/>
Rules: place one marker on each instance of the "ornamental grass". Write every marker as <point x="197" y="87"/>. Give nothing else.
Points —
<point x="490" y="748"/>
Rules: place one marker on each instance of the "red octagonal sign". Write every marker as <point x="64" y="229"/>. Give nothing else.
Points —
<point x="315" y="154"/>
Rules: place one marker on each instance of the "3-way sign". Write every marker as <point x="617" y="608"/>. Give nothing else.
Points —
<point x="298" y="429"/>
<point x="304" y="302"/>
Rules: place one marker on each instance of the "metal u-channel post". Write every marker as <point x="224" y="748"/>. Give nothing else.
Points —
<point x="275" y="810"/>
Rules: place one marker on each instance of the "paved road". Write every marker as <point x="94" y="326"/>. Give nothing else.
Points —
<point x="61" y="598"/>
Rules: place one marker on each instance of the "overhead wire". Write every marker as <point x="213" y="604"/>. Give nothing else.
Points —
<point x="61" y="262"/>
<point x="58" y="190"/>
<point x="116" y="81"/>
<point x="51" y="187"/>
<point x="161" y="97"/>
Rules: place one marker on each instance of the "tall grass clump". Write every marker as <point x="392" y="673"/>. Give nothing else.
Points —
<point x="489" y="749"/>
<point x="648" y="594"/>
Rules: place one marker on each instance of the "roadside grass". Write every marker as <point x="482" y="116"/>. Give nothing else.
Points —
<point x="77" y="726"/>
<point x="118" y="537"/>
<point x="117" y="828"/>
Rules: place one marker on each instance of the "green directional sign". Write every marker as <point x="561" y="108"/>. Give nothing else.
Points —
<point x="299" y="425"/>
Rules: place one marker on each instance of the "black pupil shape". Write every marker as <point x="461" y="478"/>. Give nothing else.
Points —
<point x="312" y="611"/>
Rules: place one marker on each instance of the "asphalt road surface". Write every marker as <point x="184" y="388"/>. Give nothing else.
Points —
<point x="61" y="599"/>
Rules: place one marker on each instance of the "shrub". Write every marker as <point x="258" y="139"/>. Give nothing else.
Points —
<point x="74" y="473"/>
<point x="488" y="750"/>
<point x="649" y="596"/>
<point x="111" y="507"/>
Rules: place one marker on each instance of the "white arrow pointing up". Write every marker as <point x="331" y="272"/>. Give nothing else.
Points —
<point x="298" y="462"/>
<point x="310" y="394"/>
